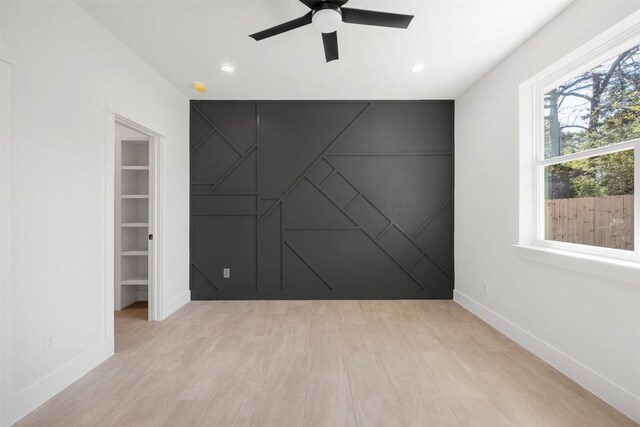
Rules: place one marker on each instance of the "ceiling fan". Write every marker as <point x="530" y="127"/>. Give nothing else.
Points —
<point x="327" y="16"/>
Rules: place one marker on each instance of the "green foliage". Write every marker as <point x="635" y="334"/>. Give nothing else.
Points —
<point x="607" y="175"/>
<point x="622" y="125"/>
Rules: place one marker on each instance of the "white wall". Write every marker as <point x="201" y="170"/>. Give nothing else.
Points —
<point x="587" y="326"/>
<point x="67" y="72"/>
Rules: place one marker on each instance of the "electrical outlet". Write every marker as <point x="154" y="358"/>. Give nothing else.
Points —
<point x="48" y="343"/>
<point x="485" y="288"/>
<point x="226" y="273"/>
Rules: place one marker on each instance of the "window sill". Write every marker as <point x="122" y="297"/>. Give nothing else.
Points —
<point x="607" y="268"/>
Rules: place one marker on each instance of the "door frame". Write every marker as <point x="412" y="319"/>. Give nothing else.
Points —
<point x="6" y="309"/>
<point x="156" y="143"/>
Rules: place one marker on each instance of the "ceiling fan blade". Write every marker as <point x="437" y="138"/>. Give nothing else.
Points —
<point x="309" y="3"/>
<point x="282" y="28"/>
<point x="372" y="17"/>
<point x="330" y="42"/>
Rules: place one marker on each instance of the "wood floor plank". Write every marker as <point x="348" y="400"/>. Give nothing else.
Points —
<point x="287" y="376"/>
<point x="357" y="337"/>
<point x="230" y="409"/>
<point x="328" y="399"/>
<point x="349" y="312"/>
<point x="205" y="383"/>
<point x="368" y="377"/>
<point x="329" y="412"/>
<point x="406" y="371"/>
<point x="379" y="413"/>
<point x="322" y="386"/>
<point x="178" y="413"/>
<point x="294" y="337"/>
<point x="274" y="412"/>
<point x="478" y="412"/>
<point x="81" y="412"/>
<point x="427" y="408"/>
<point x="133" y="412"/>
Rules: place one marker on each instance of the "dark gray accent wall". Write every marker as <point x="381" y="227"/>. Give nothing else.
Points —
<point x="322" y="199"/>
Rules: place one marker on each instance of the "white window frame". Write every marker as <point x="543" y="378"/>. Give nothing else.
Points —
<point x="616" y="40"/>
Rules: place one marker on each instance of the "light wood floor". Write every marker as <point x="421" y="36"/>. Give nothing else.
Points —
<point x="320" y="363"/>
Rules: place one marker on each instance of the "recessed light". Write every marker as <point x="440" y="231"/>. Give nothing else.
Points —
<point x="200" y="87"/>
<point x="227" y="68"/>
<point x="417" y="68"/>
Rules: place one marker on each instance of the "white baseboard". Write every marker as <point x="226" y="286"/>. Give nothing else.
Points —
<point x="173" y="305"/>
<point x="25" y="401"/>
<point x="621" y="399"/>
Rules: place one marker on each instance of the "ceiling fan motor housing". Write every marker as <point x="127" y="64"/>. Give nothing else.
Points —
<point x="327" y="17"/>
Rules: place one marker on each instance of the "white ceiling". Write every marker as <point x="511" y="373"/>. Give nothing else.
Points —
<point x="457" y="41"/>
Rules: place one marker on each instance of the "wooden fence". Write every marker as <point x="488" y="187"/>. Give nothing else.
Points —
<point x="596" y="221"/>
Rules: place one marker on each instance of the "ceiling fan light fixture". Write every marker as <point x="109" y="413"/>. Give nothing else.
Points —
<point x="328" y="19"/>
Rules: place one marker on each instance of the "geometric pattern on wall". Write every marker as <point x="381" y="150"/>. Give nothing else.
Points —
<point x="313" y="199"/>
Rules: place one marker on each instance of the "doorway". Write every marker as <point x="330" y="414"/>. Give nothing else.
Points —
<point x="135" y="217"/>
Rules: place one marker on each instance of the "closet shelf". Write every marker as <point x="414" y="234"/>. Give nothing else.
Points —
<point x="135" y="196"/>
<point x="134" y="253"/>
<point x="135" y="168"/>
<point x="135" y="281"/>
<point x="135" y="224"/>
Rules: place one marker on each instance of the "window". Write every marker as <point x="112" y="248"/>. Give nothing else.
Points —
<point x="585" y="125"/>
